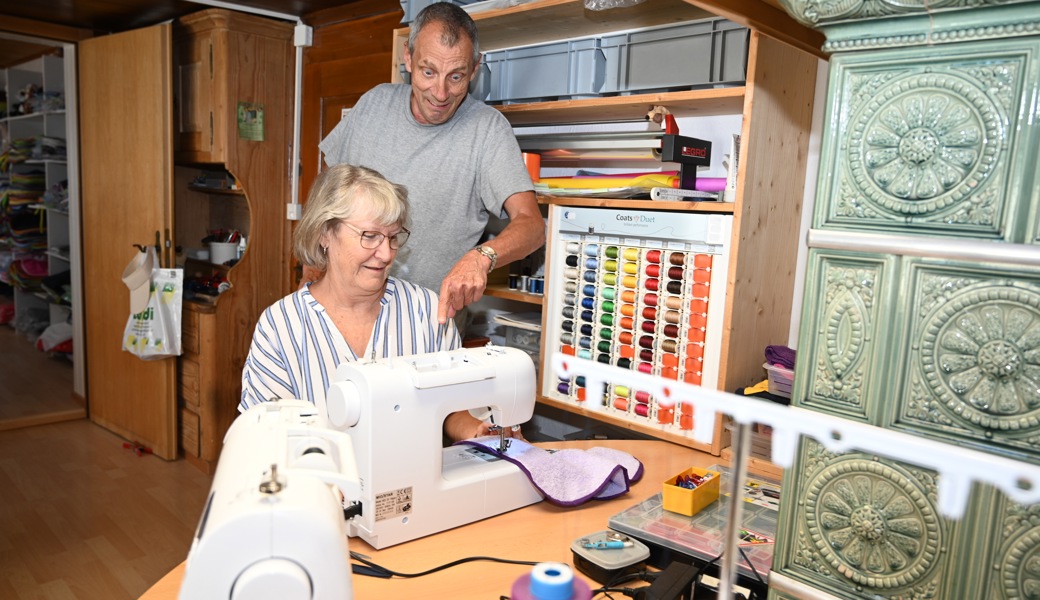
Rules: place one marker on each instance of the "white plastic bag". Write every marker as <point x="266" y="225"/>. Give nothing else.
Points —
<point x="155" y="332"/>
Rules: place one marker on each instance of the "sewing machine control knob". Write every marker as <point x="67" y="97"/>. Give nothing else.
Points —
<point x="273" y="579"/>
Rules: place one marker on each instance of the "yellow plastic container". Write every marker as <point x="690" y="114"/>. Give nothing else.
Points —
<point x="690" y="502"/>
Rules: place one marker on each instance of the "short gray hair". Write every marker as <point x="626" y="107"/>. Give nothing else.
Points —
<point x="342" y="192"/>
<point x="457" y="23"/>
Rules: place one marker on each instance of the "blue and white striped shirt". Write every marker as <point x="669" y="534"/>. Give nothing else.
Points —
<point x="296" y="346"/>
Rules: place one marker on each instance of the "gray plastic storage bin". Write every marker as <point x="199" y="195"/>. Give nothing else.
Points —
<point x="687" y="55"/>
<point x="412" y="8"/>
<point x="690" y="55"/>
<point x="567" y="69"/>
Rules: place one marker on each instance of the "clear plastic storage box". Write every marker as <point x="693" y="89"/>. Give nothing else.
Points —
<point x="780" y="380"/>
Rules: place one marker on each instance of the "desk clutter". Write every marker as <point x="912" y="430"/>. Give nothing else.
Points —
<point x="699" y="537"/>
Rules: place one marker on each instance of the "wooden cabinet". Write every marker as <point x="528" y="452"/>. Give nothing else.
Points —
<point x="215" y="66"/>
<point x="775" y="106"/>
<point x="222" y="61"/>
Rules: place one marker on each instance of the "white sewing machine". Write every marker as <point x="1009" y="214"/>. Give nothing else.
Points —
<point x="394" y="411"/>
<point x="273" y="526"/>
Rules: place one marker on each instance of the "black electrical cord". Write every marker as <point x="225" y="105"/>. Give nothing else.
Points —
<point x="753" y="569"/>
<point x="611" y="585"/>
<point x="380" y="571"/>
<point x="704" y="567"/>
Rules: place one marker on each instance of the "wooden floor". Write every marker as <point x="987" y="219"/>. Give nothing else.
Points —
<point x="80" y="516"/>
<point x="35" y="388"/>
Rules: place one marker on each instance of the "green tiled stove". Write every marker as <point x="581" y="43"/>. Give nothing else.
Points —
<point x="922" y="299"/>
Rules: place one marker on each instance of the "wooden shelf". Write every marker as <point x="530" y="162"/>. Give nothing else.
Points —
<point x="216" y="191"/>
<point x="497" y="290"/>
<point x="714" y="207"/>
<point x="562" y="19"/>
<point x="688" y="103"/>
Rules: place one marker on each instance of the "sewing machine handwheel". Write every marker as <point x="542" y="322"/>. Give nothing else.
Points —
<point x="343" y="403"/>
<point x="272" y="579"/>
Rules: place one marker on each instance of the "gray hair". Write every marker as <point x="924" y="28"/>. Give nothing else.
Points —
<point x="342" y="192"/>
<point x="457" y="23"/>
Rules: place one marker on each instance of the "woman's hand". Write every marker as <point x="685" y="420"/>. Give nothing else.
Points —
<point x="464" y="426"/>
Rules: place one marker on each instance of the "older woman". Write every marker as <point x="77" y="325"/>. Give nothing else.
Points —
<point x="353" y="225"/>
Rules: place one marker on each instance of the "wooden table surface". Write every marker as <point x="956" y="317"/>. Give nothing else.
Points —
<point x="541" y="532"/>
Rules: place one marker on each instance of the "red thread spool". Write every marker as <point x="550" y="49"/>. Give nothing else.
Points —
<point x="671" y="330"/>
<point x="648" y="326"/>
<point x="649" y="312"/>
<point x="675" y="272"/>
<point x="642" y="410"/>
<point x="646" y="341"/>
<point x="646" y="355"/>
<point x="653" y="256"/>
<point x="652" y="270"/>
<point x="646" y="368"/>
<point x="650" y="299"/>
<point x="643" y="397"/>
<point x="653" y="284"/>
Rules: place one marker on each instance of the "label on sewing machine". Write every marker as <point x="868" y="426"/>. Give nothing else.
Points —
<point x="393" y="504"/>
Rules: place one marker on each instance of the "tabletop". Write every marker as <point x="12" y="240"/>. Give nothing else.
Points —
<point x="541" y="532"/>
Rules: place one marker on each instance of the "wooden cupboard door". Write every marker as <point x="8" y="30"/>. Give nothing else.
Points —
<point x="127" y="196"/>
<point x="193" y="90"/>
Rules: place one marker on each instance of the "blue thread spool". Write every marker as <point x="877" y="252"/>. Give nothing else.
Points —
<point x="550" y="581"/>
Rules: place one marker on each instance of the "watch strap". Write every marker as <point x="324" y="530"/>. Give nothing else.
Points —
<point x="490" y="254"/>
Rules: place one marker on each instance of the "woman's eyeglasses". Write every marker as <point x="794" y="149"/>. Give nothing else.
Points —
<point x="370" y="240"/>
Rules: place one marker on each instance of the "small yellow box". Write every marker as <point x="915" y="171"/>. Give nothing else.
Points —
<point x="690" y="502"/>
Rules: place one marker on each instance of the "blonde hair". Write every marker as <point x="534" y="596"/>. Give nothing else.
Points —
<point x="340" y="193"/>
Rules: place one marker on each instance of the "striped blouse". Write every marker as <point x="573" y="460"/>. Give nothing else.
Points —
<point x="296" y="347"/>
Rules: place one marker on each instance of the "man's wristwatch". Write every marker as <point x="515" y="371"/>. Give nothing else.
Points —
<point x="490" y="253"/>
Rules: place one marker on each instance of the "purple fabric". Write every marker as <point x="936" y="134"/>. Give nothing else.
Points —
<point x="780" y="355"/>
<point x="569" y="477"/>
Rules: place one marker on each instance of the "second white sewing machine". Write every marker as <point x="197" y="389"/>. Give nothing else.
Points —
<point x="394" y="411"/>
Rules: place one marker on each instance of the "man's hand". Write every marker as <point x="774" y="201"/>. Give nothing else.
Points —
<point x="463" y="285"/>
<point x="467" y="280"/>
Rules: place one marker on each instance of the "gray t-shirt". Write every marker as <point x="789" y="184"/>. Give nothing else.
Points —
<point x="457" y="173"/>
